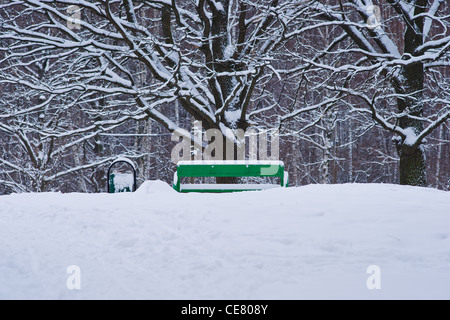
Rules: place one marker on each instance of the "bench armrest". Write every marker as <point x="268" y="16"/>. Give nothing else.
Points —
<point x="176" y="182"/>
<point x="285" y="179"/>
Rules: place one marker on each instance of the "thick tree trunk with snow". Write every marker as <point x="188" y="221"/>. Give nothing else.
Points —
<point x="412" y="158"/>
<point x="412" y="166"/>
<point x="227" y="154"/>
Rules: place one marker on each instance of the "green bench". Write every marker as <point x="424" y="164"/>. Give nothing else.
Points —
<point x="228" y="168"/>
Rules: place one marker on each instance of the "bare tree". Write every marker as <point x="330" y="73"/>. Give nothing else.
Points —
<point x="119" y="61"/>
<point x="387" y="67"/>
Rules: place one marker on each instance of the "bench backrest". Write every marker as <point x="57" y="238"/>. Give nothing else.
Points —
<point x="229" y="168"/>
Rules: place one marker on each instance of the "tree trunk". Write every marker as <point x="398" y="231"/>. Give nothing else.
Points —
<point x="222" y="63"/>
<point x="412" y="159"/>
<point x="350" y="151"/>
<point x="439" y="155"/>
<point x="229" y="180"/>
<point x="412" y="166"/>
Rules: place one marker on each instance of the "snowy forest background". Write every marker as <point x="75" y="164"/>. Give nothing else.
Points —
<point x="358" y="89"/>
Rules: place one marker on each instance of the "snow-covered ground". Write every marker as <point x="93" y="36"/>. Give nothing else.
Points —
<point x="310" y="242"/>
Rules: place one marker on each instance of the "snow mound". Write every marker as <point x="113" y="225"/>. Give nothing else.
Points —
<point x="352" y="241"/>
<point x="154" y="186"/>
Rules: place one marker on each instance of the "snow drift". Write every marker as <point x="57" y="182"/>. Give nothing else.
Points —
<point x="310" y="242"/>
